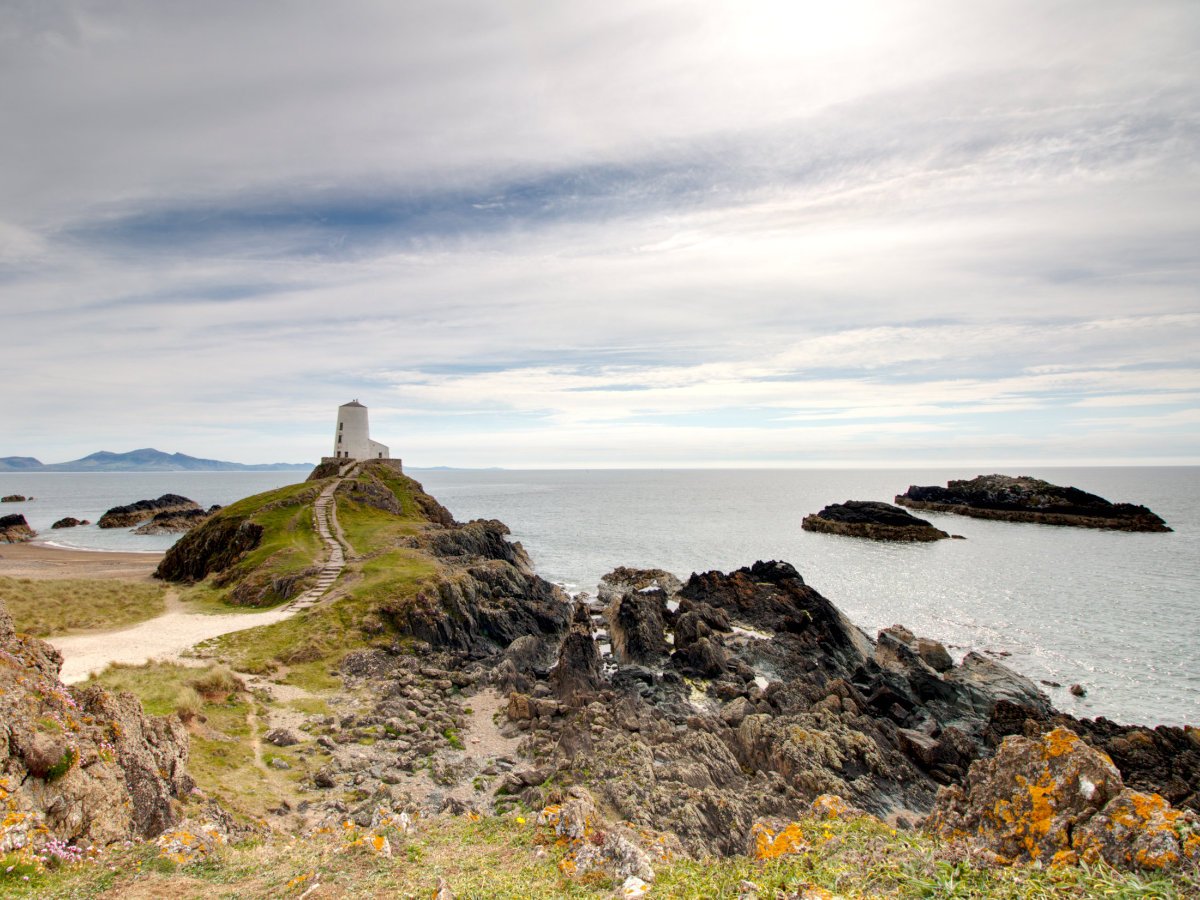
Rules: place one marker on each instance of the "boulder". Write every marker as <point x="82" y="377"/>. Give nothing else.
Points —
<point x="1026" y="499"/>
<point x="1055" y="800"/>
<point x="15" y="530"/>
<point x="14" y="498"/>
<point x="70" y="522"/>
<point x="874" y="520"/>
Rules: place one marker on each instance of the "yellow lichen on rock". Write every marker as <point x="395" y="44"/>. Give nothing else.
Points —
<point x="1141" y="830"/>
<point x="771" y="844"/>
<point x="1058" y="801"/>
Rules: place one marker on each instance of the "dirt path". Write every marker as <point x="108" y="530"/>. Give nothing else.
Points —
<point x="165" y="638"/>
<point x="177" y="629"/>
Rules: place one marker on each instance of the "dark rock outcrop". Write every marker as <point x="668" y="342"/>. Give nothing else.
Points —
<point x="79" y="765"/>
<point x="14" y="498"/>
<point x="214" y="547"/>
<point x="170" y="522"/>
<point x="870" y="519"/>
<point x="15" y="530"/>
<point x="1026" y="499"/>
<point x="136" y="513"/>
<point x="70" y="522"/>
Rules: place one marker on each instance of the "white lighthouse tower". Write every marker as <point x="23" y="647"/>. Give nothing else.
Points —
<point x="352" y="439"/>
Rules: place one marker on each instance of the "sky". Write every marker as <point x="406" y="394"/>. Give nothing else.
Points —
<point x="632" y="233"/>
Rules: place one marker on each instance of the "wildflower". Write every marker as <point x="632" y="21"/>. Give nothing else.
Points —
<point x="520" y="820"/>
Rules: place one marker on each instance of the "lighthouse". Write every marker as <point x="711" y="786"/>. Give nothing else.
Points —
<point x="352" y="439"/>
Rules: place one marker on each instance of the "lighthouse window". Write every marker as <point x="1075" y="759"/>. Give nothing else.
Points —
<point x="339" y="438"/>
<point x="340" y="424"/>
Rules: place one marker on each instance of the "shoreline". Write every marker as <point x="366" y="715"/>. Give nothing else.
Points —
<point x="43" y="561"/>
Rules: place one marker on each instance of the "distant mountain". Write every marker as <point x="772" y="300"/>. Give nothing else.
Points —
<point x="144" y="460"/>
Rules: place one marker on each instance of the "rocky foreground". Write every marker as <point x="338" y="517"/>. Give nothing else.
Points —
<point x="714" y="717"/>
<point x="1025" y="499"/>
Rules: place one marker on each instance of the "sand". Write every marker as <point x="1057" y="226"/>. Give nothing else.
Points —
<point x="42" y="562"/>
<point x="165" y="637"/>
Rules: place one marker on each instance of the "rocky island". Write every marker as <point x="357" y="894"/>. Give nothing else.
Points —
<point x="874" y="520"/>
<point x="441" y="687"/>
<point x="143" y="510"/>
<point x="1025" y="499"/>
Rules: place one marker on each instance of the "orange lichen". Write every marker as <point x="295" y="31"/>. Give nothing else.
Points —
<point x="771" y="845"/>
<point x="1059" y="742"/>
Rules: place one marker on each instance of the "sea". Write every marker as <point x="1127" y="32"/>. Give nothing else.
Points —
<point x="1117" y="613"/>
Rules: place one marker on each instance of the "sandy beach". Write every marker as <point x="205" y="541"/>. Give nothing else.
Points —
<point x="165" y="637"/>
<point x="39" y="561"/>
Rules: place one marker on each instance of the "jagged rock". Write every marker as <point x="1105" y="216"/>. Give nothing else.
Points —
<point x="1057" y="800"/>
<point x="577" y="672"/>
<point x="70" y="522"/>
<point x="934" y="655"/>
<point x="14" y="498"/>
<point x="637" y="625"/>
<point x="623" y="579"/>
<point x="79" y="765"/>
<point x="214" y="547"/>
<point x="15" y="530"/>
<point x="138" y="512"/>
<point x="1026" y="499"/>
<point x="874" y="520"/>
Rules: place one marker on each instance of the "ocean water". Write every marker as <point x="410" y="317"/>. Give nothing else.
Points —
<point x="1118" y="613"/>
<point x="88" y="495"/>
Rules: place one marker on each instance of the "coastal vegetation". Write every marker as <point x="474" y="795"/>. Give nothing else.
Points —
<point x="512" y="857"/>
<point x="47" y="608"/>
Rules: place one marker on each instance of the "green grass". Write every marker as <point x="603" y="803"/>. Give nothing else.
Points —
<point x="222" y="758"/>
<point x="48" y="608"/>
<point x="319" y="637"/>
<point x="370" y="530"/>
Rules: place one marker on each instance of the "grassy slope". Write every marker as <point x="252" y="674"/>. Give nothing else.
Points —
<point x="48" y="608"/>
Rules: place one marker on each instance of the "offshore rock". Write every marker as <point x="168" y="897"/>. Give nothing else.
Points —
<point x="1026" y="499"/>
<point x="79" y="765"/>
<point x="870" y="519"/>
<point x="142" y="510"/>
<point x="1056" y="800"/>
<point x="70" y="522"/>
<point x="15" y="530"/>
<point x="175" y="522"/>
<point x="14" y="498"/>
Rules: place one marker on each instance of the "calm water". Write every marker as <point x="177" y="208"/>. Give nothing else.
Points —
<point x="1117" y="612"/>
<point x="88" y="495"/>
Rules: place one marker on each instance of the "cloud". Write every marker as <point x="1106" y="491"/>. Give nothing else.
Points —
<point x="604" y="233"/>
